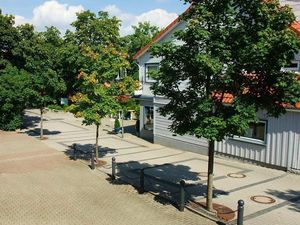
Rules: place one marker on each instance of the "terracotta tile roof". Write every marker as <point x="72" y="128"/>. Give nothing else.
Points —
<point x="295" y="26"/>
<point x="159" y="36"/>
<point x="227" y="98"/>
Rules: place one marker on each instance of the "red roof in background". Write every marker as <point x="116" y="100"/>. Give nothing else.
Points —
<point x="295" y="26"/>
<point x="227" y="98"/>
<point x="159" y="36"/>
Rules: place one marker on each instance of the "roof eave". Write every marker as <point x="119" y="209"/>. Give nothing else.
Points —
<point x="160" y="35"/>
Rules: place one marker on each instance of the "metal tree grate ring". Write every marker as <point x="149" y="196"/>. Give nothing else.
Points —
<point x="262" y="199"/>
<point x="236" y="175"/>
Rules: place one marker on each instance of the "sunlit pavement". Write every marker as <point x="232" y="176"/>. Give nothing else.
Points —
<point x="271" y="196"/>
<point x="40" y="185"/>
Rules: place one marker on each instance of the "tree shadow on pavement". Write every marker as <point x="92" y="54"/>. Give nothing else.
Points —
<point x="292" y="196"/>
<point x="164" y="181"/>
<point x="130" y="129"/>
<point x="30" y="121"/>
<point x="36" y="132"/>
<point x="83" y="151"/>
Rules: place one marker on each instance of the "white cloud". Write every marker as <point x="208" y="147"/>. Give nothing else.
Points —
<point x="52" y="13"/>
<point x="158" y="17"/>
<point x="21" y="20"/>
<point x="113" y="10"/>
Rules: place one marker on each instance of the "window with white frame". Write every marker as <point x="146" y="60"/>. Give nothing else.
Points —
<point x="151" y="68"/>
<point x="294" y="66"/>
<point x="256" y="133"/>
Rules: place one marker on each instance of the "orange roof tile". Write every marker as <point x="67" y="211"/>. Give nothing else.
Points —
<point x="226" y="98"/>
<point x="295" y="26"/>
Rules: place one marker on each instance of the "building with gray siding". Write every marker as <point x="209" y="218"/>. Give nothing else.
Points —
<point x="272" y="142"/>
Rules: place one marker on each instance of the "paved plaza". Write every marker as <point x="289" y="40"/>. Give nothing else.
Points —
<point x="43" y="186"/>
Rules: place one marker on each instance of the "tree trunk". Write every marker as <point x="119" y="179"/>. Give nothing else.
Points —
<point x="210" y="175"/>
<point x="42" y="125"/>
<point x="97" y="145"/>
<point x="122" y="122"/>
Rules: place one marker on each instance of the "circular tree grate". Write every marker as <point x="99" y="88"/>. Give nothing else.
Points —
<point x="262" y="199"/>
<point x="236" y="175"/>
<point x="222" y="211"/>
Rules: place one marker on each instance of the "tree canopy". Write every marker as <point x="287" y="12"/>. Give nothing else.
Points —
<point x="230" y="48"/>
<point x="103" y="59"/>
<point x="51" y="65"/>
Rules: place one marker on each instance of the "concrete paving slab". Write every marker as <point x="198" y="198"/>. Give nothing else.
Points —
<point x="41" y="186"/>
<point x="134" y="153"/>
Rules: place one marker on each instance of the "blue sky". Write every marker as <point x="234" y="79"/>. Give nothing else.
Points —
<point x="61" y="13"/>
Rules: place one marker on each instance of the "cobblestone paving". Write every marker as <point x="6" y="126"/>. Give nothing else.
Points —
<point x="40" y="186"/>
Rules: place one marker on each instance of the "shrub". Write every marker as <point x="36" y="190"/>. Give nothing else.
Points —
<point x="117" y="124"/>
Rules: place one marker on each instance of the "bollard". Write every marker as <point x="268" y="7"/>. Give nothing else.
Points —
<point x="240" y="216"/>
<point x="92" y="160"/>
<point x="142" y="181"/>
<point x="182" y="196"/>
<point x="74" y="152"/>
<point x="113" y="167"/>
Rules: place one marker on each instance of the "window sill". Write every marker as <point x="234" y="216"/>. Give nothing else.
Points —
<point x="249" y="140"/>
<point x="150" y="81"/>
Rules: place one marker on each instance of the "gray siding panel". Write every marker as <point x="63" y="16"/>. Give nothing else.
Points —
<point x="161" y="129"/>
<point x="282" y="148"/>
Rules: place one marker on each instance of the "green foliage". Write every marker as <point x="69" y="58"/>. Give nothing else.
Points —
<point x="143" y="34"/>
<point x="8" y="40"/>
<point x="125" y="86"/>
<point x="92" y="30"/>
<point x="14" y="94"/>
<point x="81" y="63"/>
<point x="58" y="107"/>
<point x="103" y="58"/>
<point x="38" y="54"/>
<point x="71" y="61"/>
<point x="94" y="105"/>
<point x="229" y="47"/>
<point x="117" y="124"/>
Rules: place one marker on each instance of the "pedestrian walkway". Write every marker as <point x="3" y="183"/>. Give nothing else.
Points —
<point x="42" y="186"/>
<point x="271" y="196"/>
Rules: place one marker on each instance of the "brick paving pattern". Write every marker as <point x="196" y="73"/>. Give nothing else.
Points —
<point x="42" y="186"/>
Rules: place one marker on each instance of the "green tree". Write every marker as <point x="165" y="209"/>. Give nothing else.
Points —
<point x="232" y="47"/>
<point x="71" y="61"/>
<point x="143" y="34"/>
<point x="8" y="39"/>
<point x="38" y="53"/>
<point x="98" y="37"/>
<point x="14" y="92"/>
